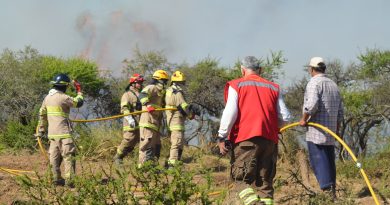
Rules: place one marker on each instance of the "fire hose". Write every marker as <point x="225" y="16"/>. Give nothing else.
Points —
<point x="358" y="164"/>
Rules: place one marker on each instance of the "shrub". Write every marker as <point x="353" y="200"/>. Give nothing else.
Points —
<point x="130" y="185"/>
<point x="18" y="136"/>
<point x="97" y="141"/>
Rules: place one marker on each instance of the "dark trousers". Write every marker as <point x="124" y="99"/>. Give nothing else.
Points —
<point x="253" y="162"/>
<point x="322" y="161"/>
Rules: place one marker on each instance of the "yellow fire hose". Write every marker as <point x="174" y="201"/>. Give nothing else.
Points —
<point x="16" y="172"/>
<point x="43" y="151"/>
<point x="119" y="116"/>
<point x="358" y="164"/>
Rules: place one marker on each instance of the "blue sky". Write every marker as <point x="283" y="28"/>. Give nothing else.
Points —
<point x="107" y="31"/>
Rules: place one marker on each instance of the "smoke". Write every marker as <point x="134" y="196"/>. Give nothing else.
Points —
<point x="108" y="31"/>
<point x="87" y="28"/>
<point x="110" y="39"/>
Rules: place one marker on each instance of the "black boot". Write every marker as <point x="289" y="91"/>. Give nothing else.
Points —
<point x="180" y="154"/>
<point x="59" y="182"/>
<point x="158" y="151"/>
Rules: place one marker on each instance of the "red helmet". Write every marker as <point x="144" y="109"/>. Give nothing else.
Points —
<point x="136" y="78"/>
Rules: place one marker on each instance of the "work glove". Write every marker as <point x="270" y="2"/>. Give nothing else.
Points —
<point x="191" y="116"/>
<point x="130" y="120"/>
<point x="77" y="86"/>
<point x="195" y="109"/>
<point x="150" y="109"/>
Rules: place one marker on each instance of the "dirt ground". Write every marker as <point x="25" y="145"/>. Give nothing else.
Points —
<point x="10" y="191"/>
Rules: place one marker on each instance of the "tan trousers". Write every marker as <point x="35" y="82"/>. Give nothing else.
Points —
<point x="254" y="163"/>
<point x="150" y="144"/>
<point x="62" y="150"/>
<point x="177" y="143"/>
<point x="129" y="141"/>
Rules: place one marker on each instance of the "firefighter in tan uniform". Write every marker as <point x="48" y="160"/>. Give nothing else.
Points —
<point x="130" y="103"/>
<point x="55" y="111"/>
<point x="174" y="98"/>
<point x="151" y="97"/>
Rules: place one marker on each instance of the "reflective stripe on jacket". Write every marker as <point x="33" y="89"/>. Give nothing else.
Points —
<point x="128" y="103"/>
<point x="55" y="111"/>
<point x="257" y="105"/>
<point x="152" y="95"/>
<point x="174" y="98"/>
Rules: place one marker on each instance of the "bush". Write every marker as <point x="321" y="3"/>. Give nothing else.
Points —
<point x="147" y="185"/>
<point x="98" y="141"/>
<point x="373" y="166"/>
<point x="375" y="169"/>
<point x="18" y="136"/>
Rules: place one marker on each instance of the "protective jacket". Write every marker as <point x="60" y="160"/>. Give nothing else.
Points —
<point x="55" y="109"/>
<point x="152" y="95"/>
<point x="130" y="103"/>
<point x="257" y="109"/>
<point x="174" y="98"/>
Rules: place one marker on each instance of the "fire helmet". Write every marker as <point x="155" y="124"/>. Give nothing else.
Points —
<point x="136" y="78"/>
<point x="61" y="80"/>
<point x="160" y="75"/>
<point x="178" y="76"/>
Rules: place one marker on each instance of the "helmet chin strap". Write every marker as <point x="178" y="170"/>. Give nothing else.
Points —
<point x="134" y="86"/>
<point x="164" y="82"/>
<point x="60" y="88"/>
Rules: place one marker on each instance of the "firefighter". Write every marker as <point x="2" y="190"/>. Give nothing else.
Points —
<point x="54" y="112"/>
<point x="130" y="103"/>
<point x="174" y="98"/>
<point x="151" y="97"/>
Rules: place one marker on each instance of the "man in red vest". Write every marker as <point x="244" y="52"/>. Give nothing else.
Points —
<point x="250" y="124"/>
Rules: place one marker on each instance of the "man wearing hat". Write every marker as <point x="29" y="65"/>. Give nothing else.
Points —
<point x="250" y="123"/>
<point x="323" y="105"/>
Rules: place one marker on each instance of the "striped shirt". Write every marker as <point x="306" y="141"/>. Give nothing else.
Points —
<point x="323" y="103"/>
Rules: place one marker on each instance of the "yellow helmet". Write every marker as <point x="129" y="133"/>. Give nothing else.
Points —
<point x="160" y="75"/>
<point x="178" y="76"/>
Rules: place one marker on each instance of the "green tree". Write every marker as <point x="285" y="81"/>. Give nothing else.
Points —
<point x="25" y="81"/>
<point x="367" y="98"/>
<point x="84" y="71"/>
<point x="375" y="64"/>
<point x="21" y="87"/>
<point x="101" y="101"/>
<point x="205" y="84"/>
<point x="146" y="63"/>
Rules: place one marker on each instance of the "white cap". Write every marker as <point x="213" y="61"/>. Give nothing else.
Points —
<point x="315" y="61"/>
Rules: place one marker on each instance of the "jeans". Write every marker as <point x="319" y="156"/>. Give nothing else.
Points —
<point x="322" y="160"/>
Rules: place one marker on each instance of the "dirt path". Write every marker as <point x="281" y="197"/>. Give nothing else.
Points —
<point x="9" y="189"/>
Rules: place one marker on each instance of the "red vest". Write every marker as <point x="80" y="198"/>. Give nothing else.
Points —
<point x="257" y="109"/>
